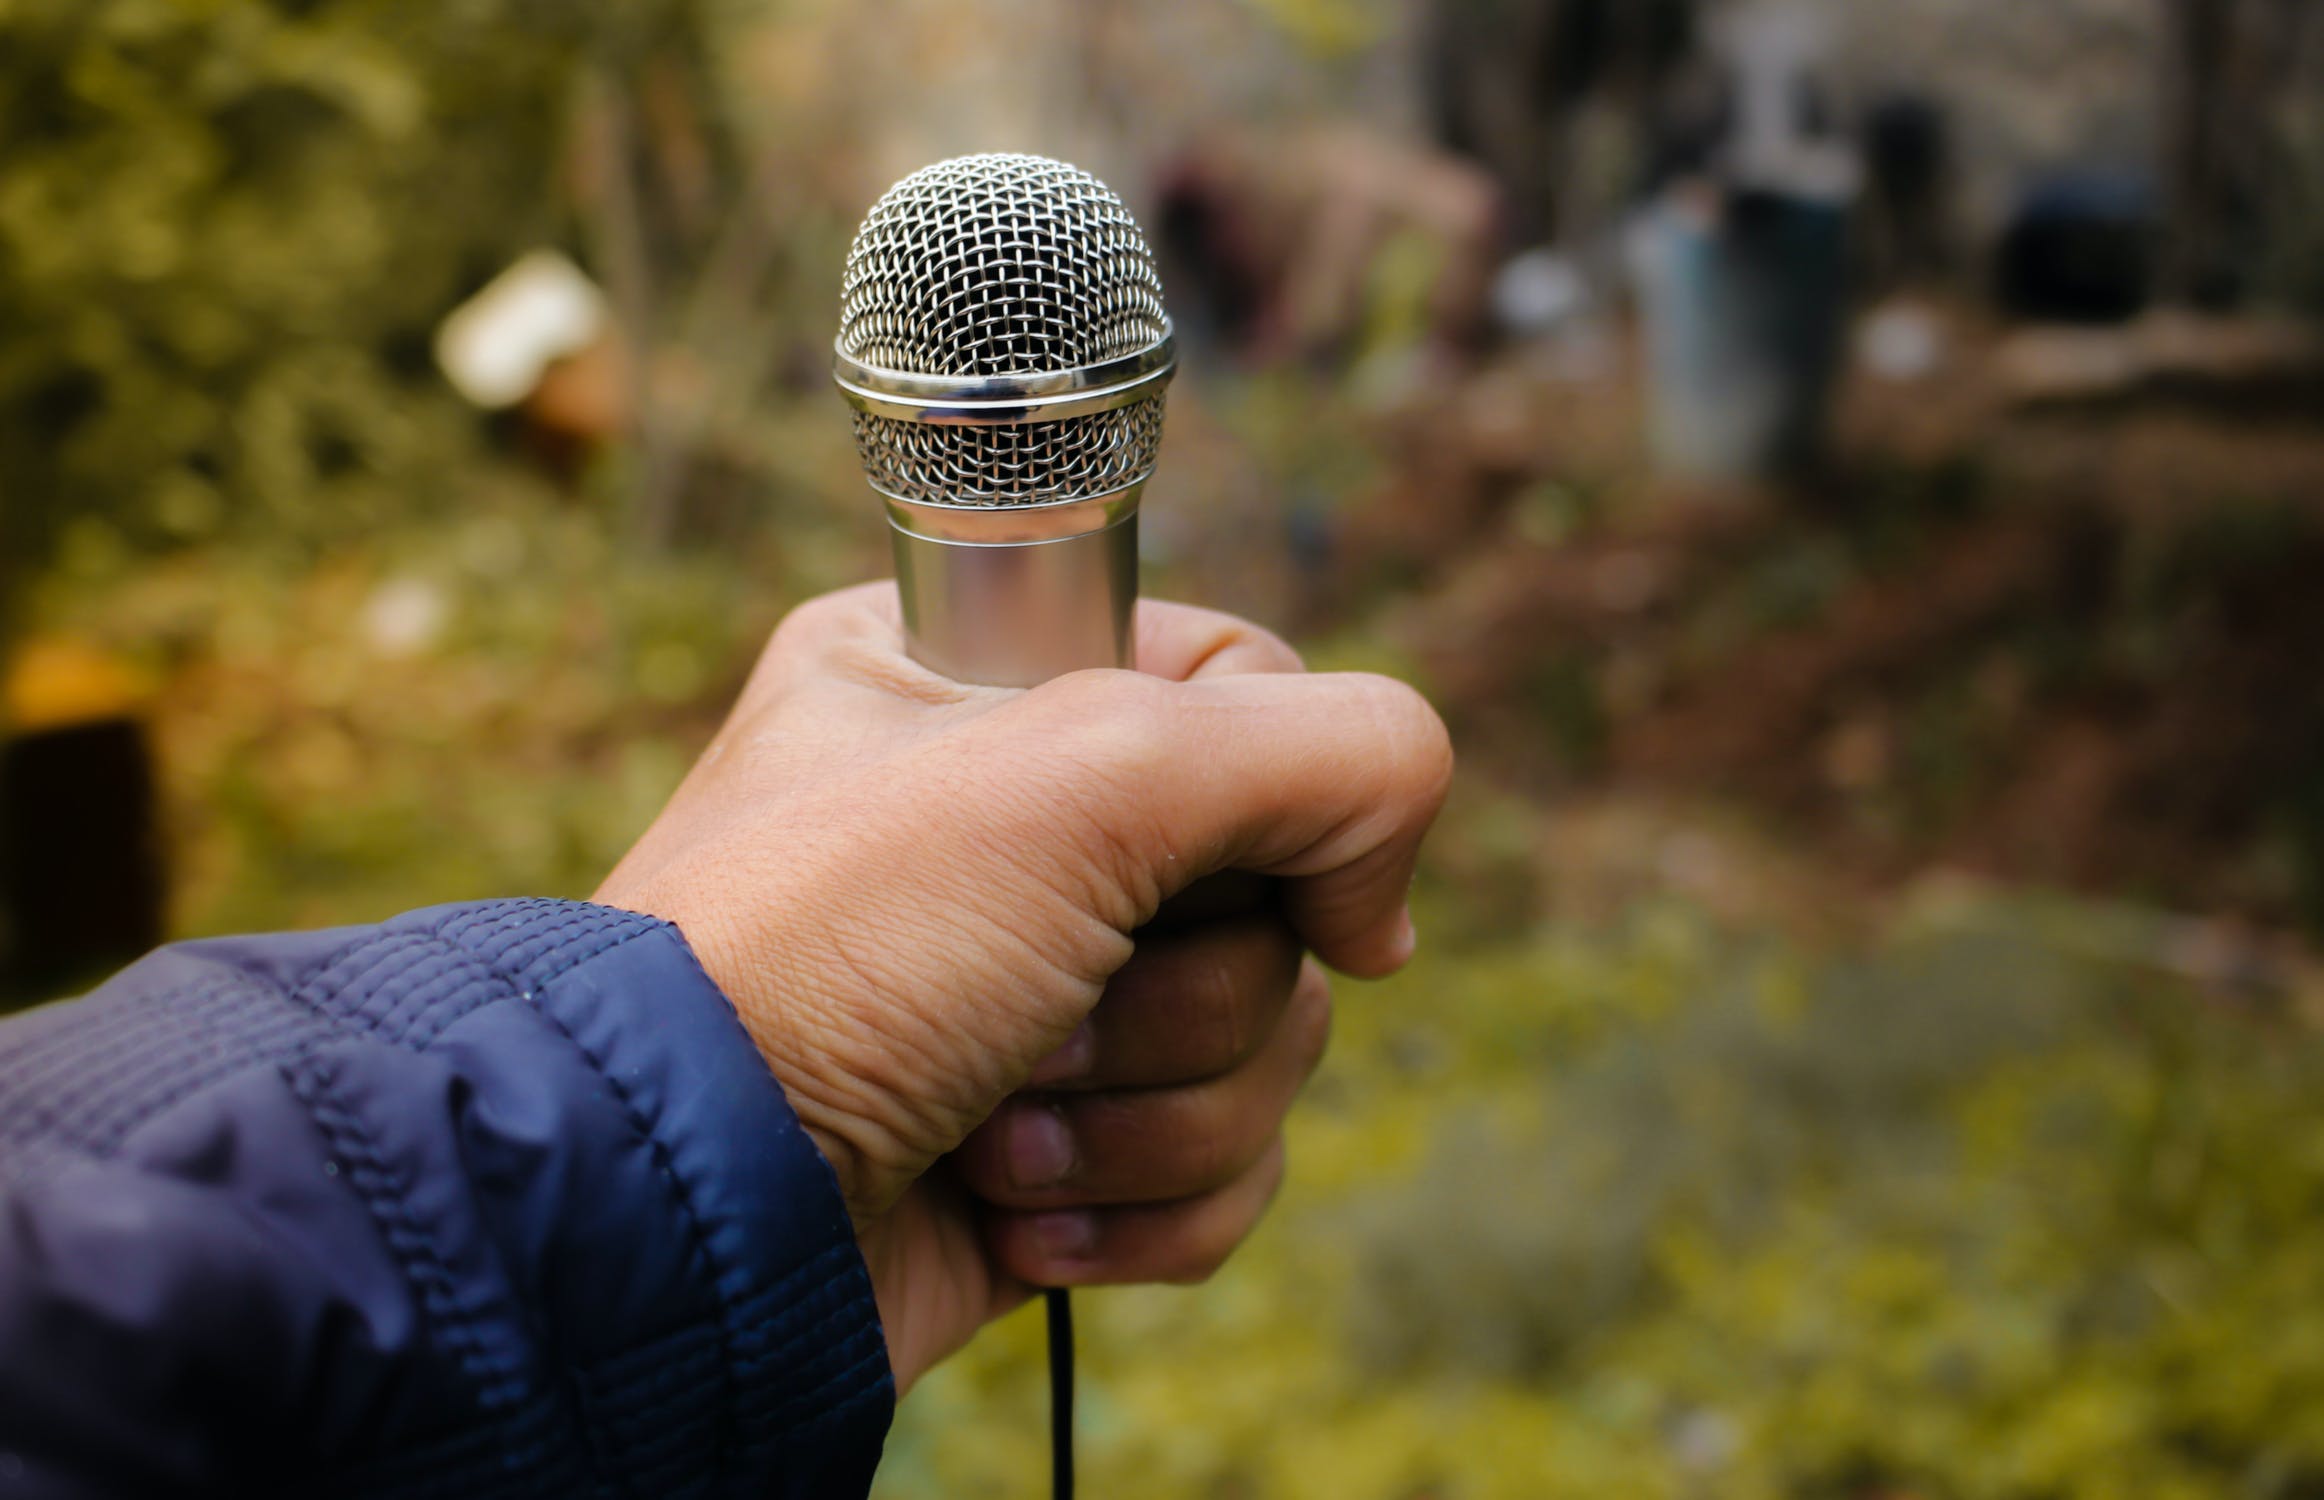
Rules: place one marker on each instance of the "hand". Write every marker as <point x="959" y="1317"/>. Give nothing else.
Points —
<point x="921" y="898"/>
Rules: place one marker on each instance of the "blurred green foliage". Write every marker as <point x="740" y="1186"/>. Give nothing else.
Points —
<point x="1665" y="1213"/>
<point x="468" y="705"/>
<point x="228" y="229"/>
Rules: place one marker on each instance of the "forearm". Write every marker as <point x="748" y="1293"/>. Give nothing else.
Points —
<point x="490" y="1199"/>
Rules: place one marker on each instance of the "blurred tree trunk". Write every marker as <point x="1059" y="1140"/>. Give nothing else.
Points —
<point x="1507" y="81"/>
<point x="2228" y="67"/>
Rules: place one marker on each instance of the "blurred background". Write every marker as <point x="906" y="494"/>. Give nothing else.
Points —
<point x="1852" y="475"/>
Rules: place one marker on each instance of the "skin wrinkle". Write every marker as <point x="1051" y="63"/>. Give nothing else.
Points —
<point x="1110" y="890"/>
<point x="1088" y="946"/>
<point x="1227" y="722"/>
<point x="886" y="1058"/>
<point x="886" y="674"/>
<point x="885" y="1040"/>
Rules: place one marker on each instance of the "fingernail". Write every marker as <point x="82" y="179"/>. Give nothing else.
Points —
<point x="1040" y="1147"/>
<point x="1069" y="1062"/>
<point x="1069" y="1235"/>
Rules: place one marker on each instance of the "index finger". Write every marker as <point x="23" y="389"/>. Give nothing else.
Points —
<point x="1184" y="642"/>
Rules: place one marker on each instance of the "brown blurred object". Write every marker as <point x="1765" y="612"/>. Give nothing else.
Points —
<point x="582" y="404"/>
<point x="2091" y="666"/>
<point x="1282" y="233"/>
<point x="81" y="878"/>
<point x="2231" y="67"/>
<point x="2165" y="352"/>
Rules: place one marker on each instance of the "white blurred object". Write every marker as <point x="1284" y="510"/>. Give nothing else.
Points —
<point x="1537" y="292"/>
<point x="496" y="346"/>
<point x="405" y="616"/>
<point x="1901" y="342"/>
<point x="1775" y="49"/>
<point x="1546" y="300"/>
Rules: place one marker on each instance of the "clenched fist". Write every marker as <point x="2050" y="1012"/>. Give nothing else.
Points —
<point x="1032" y="966"/>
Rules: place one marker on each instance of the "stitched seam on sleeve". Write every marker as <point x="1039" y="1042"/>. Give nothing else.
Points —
<point x="51" y="1054"/>
<point x="877" y="1384"/>
<point x="694" y="963"/>
<point x="842" y="1300"/>
<point x="778" y="1291"/>
<point x="798" y="1409"/>
<point x="210" y="1051"/>
<point x="328" y="991"/>
<point x="480" y="930"/>
<point x="681" y="1191"/>
<point x="619" y="1391"/>
<point x="382" y="1191"/>
<point x="790" y="1410"/>
<point x="430" y="1021"/>
<point x="570" y="961"/>
<point x="479" y="926"/>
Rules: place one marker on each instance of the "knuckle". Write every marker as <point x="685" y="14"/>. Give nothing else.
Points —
<point x="831" y="631"/>
<point x="1206" y="1159"/>
<point x="1105" y="721"/>
<point x="1107" y="737"/>
<point x="1223" y="1006"/>
<point x="1391" y="752"/>
<point x="1271" y="649"/>
<point x="1212" y="640"/>
<point x="1419" y="746"/>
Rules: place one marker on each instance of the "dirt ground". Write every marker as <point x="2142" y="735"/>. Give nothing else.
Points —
<point x="2067" y="640"/>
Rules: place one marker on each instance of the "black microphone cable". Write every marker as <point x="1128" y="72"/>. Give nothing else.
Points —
<point x="1060" y="1392"/>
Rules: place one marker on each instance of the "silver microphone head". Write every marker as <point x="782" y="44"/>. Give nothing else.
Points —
<point x="1002" y="337"/>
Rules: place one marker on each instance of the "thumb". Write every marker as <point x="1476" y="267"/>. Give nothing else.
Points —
<point x="1328" y="782"/>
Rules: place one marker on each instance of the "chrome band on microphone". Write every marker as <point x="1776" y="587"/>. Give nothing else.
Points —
<point x="1004" y="400"/>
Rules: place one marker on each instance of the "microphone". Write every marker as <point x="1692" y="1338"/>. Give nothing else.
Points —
<point x="1003" y="344"/>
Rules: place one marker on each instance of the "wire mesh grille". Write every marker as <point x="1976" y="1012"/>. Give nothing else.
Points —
<point x="1034" y="463"/>
<point x="998" y="265"/>
<point x="1002" y="265"/>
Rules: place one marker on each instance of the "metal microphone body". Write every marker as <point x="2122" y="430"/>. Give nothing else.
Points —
<point x="1005" y="351"/>
<point x="1015" y="613"/>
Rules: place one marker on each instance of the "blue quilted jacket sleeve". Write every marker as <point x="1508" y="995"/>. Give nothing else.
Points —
<point x="490" y="1200"/>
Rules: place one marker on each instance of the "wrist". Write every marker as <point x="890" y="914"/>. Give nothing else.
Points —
<point x="753" y="981"/>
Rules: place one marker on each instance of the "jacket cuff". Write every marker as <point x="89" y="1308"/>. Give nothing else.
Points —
<point x="788" y="1367"/>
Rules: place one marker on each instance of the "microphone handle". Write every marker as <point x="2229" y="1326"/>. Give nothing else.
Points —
<point x="1013" y="596"/>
